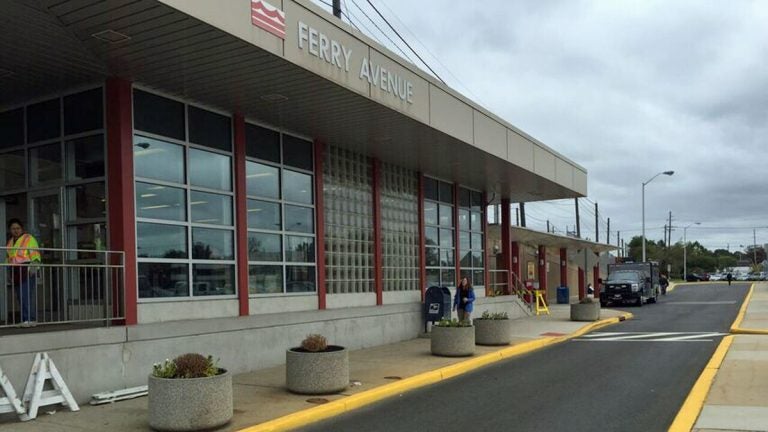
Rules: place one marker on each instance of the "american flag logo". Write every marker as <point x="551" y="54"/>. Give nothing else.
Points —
<point x="268" y="17"/>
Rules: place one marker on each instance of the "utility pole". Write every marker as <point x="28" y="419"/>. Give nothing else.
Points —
<point x="578" y="223"/>
<point x="618" y="240"/>
<point x="517" y="217"/>
<point x="522" y="214"/>
<point x="665" y="235"/>
<point x="608" y="232"/>
<point x="597" y="235"/>
<point x="754" y="246"/>
<point x="547" y="226"/>
<point x="670" y="228"/>
<point x="337" y="8"/>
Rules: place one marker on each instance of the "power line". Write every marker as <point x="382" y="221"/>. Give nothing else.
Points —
<point x="404" y="41"/>
<point x="386" y="35"/>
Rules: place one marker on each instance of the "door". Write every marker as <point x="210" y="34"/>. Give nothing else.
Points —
<point x="46" y="224"/>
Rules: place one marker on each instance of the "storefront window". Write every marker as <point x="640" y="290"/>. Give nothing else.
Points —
<point x="439" y="232"/>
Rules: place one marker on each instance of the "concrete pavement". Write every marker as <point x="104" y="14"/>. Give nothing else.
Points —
<point x="731" y="394"/>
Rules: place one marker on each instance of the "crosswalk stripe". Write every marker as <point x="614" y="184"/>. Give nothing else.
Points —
<point x="649" y="336"/>
<point x="702" y="303"/>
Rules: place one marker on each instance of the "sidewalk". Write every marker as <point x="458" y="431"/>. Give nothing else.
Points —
<point x="738" y="397"/>
<point x="260" y="396"/>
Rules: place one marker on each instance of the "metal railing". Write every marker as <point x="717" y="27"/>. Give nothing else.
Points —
<point x="507" y="283"/>
<point x="68" y="286"/>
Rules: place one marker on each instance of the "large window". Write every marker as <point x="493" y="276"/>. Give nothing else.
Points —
<point x="56" y="148"/>
<point x="281" y="213"/>
<point x="439" y="233"/>
<point x="471" y="241"/>
<point x="184" y="199"/>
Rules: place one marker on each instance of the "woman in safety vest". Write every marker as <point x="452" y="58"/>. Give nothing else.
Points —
<point x="23" y="252"/>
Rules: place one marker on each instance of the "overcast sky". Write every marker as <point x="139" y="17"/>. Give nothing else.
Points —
<point x="625" y="89"/>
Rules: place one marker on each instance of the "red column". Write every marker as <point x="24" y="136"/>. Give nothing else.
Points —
<point x="456" y="252"/>
<point x="378" y="260"/>
<point x="422" y="247"/>
<point x="542" y="265"/>
<point x="506" y="243"/>
<point x="582" y="284"/>
<point x="563" y="267"/>
<point x="121" y="204"/>
<point x="484" y="217"/>
<point x="241" y="210"/>
<point x="320" y="224"/>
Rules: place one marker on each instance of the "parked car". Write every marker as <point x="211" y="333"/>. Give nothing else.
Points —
<point x="694" y="277"/>
<point x="716" y="277"/>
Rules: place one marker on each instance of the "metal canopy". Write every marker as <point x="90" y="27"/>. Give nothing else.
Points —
<point x="47" y="46"/>
<point x="532" y="237"/>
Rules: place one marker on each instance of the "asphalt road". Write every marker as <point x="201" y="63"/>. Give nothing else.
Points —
<point x="632" y="376"/>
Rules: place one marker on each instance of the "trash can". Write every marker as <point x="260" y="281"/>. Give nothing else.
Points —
<point x="437" y="304"/>
<point x="563" y="296"/>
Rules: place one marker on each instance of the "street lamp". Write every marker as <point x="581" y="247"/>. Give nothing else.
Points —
<point x="685" y="246"/>
<point x="669" y="173"/>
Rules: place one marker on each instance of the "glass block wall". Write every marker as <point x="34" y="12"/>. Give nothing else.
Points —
<point x="348" y="201"/>
<point x="400" y="228"/>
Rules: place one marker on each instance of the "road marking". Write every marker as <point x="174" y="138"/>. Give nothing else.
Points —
<point x="704" y="303"/>
<point x="650" y="337"/>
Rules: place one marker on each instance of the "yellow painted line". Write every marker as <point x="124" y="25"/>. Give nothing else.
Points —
<point x="341" y="406"/>
<point x="689" y="412"/>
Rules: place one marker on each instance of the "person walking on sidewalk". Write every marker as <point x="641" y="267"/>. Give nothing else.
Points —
<point x="664" y="283"/>
<point x="464" y="299"/>
<point x="22" y="253"/>
<point x="729" y="276"/>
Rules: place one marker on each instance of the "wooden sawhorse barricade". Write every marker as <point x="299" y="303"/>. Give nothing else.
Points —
<point x="34" y="395"/>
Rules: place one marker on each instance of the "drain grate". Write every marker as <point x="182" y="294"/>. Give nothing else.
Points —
<point x="393" y="377"/>
<point x="318" y="401"/>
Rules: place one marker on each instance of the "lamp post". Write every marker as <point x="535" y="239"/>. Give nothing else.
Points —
<point x="669" y="173"/>
<point x="685" y="246"/>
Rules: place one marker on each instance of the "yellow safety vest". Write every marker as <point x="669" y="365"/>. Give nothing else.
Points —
<point x="24" y="250"/>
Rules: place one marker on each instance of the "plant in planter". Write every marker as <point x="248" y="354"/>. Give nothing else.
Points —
<point x="316" y="367"/>
<point x="189" y="393"/>
<point x="493" y="329"/>
<point x="452" y="338"/>
<point x="587" y="309"/>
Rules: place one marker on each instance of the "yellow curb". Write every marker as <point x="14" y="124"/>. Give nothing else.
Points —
<point x="689" y="412"/>
<point x="340" y="406"/>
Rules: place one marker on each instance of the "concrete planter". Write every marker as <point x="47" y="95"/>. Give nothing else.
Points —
<point x="317" y="372"/>
<point x="492" y="332"/>
<point x="191" y="404"/>
<point x="452" y="341"/>
<point x="585" y="311"/>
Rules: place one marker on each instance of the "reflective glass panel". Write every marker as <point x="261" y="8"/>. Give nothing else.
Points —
<point x="12" y="170"/>
<point x="158" y="115"/>
<point x="447" y="258"/>
<point x="433" y="277"/>
<point x="464" y="197"/>
<point x="12" y="128"/>
<point x="446" y="192"/>
<point x="210" y="170"/>
<point x="466" y="259"/>
<point x="160" y="202"/>
<point x="477" y="201"/>
<point x="477" y="259"/>
<point x="264" y="247"/>
<point x="430" y="236"/>
<point x="262" y="180"/>
<point x="86" y="201"/>
<point x="85" y="157"/>
<point x="299" y="279"/>
<point x="91" y="236"/>
<point x="463" y="219"/>
<point x="446" y="215"/>
<point x="299" y="249"/>
<point x="163" y="280"/>
<point x="213" y="279"/>
<point x="210" y="208"/>
<point x="83" y="111"/>
<point x="263" y="215"/>
<point x="44" y="121"/>
<point x="463" y="241"/>
<point x="446" y="237"/>
<point x="299" y="219"/>
<point x="297" y="152"/>
<point x="161" y="241"/>
<point x="448" y="277"/>
<point x="430" y="213"/>
<point x="209" y="129"/>
<point x="297" y="187"/>
<point x="432" y="257"/>
<point x="212" y="244"/>
<point x="477" y="221"/>
<point x="158" y="160"/>
<point x="45" y="164"/>
<point x="262" y="143"/>
<point x="477" y="241"/>
<point x="479" y="278"/>
<point x="430" y="189"/>
<point x="265" y="279"/>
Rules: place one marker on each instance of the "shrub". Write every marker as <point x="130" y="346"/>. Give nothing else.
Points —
<point x="445" y="322"/>
<point x="186" y="366"/>
<point x="314" y="343"/>
<point x="494" y="316"/>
